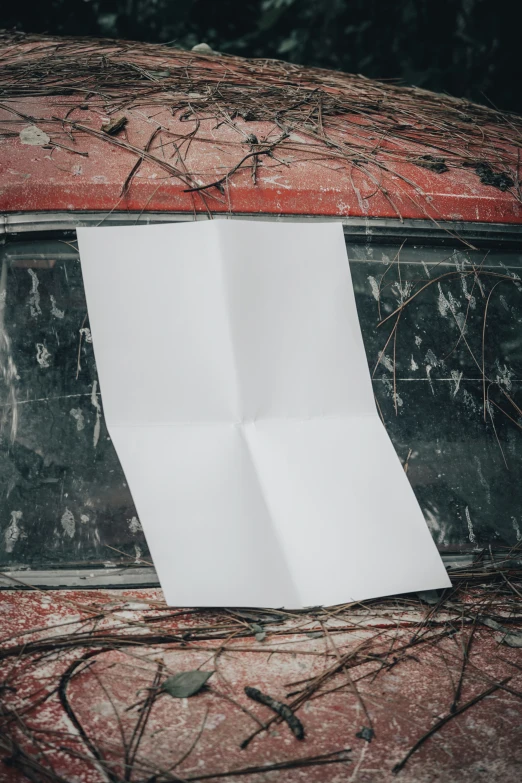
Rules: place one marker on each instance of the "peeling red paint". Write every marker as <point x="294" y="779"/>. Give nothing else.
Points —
<point x="40" y="179"/>
<point x="482" y="744"/>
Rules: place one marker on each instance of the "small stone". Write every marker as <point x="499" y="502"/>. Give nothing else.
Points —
<point x="203" y="48"/>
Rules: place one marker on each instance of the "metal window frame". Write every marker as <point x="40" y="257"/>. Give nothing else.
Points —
<point x="141" y="577"/>
<point x="362" y="230"/>
<point x="365" y="230"/>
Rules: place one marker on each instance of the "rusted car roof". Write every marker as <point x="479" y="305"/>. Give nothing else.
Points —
<point x="211" y="132"/>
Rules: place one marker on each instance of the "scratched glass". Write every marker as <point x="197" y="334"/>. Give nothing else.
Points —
<point x="64" y="501"/>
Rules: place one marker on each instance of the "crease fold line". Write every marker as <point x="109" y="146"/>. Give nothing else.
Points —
<point x="264" y="494"/>
<point x="226" y="302"/>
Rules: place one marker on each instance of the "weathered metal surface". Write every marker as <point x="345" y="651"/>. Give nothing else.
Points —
<point x="34" y="178"/>
<point x="482" y="744"/>
<point x="64" y="499"/>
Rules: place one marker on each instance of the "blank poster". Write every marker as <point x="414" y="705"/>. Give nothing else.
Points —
<point x="236" y="390"/>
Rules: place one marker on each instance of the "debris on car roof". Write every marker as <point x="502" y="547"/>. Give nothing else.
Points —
<point x="386" y="143"/>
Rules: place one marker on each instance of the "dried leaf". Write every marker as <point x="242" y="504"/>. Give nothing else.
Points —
<point x="438" y="165"/>
<point x="498" y="179"/>
<point x="512" y="639"/>
<point x="366" y="733"/>
<point x="259" y="632"/>
<point x="113" y="127"/>
<point x="490" y="623"/>
<point x="507" y="637"/>
<point x="34" y="135"/>
<point x="430" y="597"/>
<point x="186" y="684"/>
<point x="257" y="617"/>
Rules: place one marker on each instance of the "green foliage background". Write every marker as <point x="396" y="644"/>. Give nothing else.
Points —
<point x="469" y="48"/>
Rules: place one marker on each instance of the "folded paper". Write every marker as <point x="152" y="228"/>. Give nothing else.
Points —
<point x="236" y="390"/>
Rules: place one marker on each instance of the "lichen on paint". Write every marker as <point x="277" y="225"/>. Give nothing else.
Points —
<point x="461" y="265"/>
<point x="375" y="287"/>
<point x="8" y="370"/>
<point x="134" y="525"/>
<point x="439" y="528"/>
<point x="34" y="296"/>
<point x="43" y="357"/>
<point x="413" y="364"/>
<point x="469" y="401"/>
<point x="431" y="358"/>
<point x="504" y="375"/>
<point x="55" y="311"/>
<point x="275" y="179"/>
<point x="14" y="532"/>
<point x="386" y="361"/>
<point x="424" y="264"/>
<point x="96" y="404"/>
<point x="77" y="415"/>
<point x="482" y="479"/>
<point x="456" y="378"/>
<point x="68" y="523"/>
<point x="34" y="136"/>
<point x="402" y="291"/>
<point x="388" y="385"/>
<point x="516" y="528"/>
<point x="448" y="304"/>
<point x="513" y="275"/>
<point x="503" y="302"/>
<point x="442" y="303"/>
<point x="428" y="375"/>
<point x="471" y="532"/>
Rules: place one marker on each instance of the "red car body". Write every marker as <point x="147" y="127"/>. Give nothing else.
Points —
<point x="336" y="146"/>
<point x="84" y="169"/>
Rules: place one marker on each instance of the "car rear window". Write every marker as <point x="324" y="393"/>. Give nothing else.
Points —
<point x="446" y="368"/>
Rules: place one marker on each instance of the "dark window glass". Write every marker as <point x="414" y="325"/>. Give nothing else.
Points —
<point x="64" y="500"/>
<point x="459" y="437"/>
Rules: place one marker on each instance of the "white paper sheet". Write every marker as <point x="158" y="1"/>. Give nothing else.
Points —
<point x="236" y="390"/>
